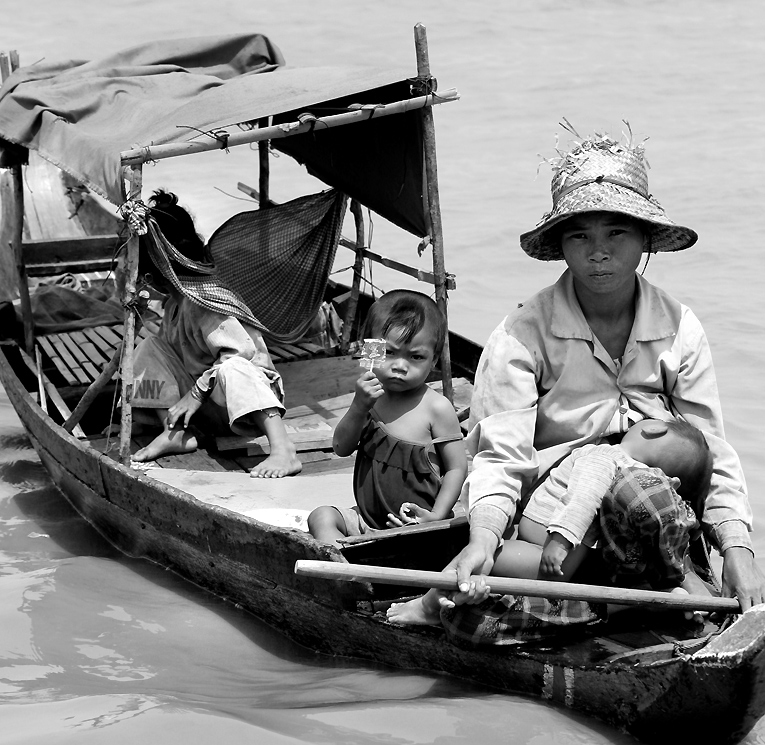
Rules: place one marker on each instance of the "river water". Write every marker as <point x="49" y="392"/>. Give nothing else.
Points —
<point x="99" y="649"/>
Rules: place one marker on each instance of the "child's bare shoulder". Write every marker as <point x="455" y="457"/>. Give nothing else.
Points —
<point x="439" y="406"/>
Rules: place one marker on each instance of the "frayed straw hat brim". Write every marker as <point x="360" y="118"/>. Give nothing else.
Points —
<point x="544" y="244"/>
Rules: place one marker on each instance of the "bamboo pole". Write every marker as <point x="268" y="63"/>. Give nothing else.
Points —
<point x="264" y="169"/>
<point x="434" y="202"/>
<point x="358" y="268"/>
<point x="50" y="389"/>
<point x="128" y="301"/>
<point x="17" y="186"/>
<point x="8" y="63"/>
<point x="172" y="150"/>
<point x="107" y="372"/>
<point x="510" y="586"/>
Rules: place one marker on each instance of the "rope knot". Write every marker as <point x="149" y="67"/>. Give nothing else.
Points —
<point x="135" y="213"/>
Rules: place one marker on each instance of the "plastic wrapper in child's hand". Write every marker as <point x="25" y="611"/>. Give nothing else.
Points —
<point x="372" y="354"/>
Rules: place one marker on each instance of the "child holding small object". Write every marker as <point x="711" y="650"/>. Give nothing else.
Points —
<point x="411" y="460"/>
<point x="667" y="465"/>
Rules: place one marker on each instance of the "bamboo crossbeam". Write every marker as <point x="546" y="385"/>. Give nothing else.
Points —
<point x="410" y="271"/>
<point x="279" y="131"/>
<point x="510" y="586"/>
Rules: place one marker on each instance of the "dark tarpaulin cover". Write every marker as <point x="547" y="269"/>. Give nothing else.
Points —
<point x="81" y="115"/>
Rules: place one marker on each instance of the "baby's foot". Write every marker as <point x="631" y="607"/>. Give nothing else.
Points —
<point x="413" y="613"/>
<point x="277" y="466"/>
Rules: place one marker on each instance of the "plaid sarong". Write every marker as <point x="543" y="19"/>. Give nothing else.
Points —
<point x="645" y="529"/>
<point x="509" y="619"/>
<point x="279" y="259"/>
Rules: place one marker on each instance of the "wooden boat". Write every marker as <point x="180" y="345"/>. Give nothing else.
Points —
<point x="201" y="515"/>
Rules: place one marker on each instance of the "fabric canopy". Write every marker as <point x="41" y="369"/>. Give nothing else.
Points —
<point x="81" y="115"/>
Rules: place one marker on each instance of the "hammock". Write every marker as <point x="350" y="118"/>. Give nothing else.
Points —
<point x="279" y="259"/>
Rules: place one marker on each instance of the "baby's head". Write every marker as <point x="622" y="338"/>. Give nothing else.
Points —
<point x="402" y="314"/>
<point x="680" y="450"/>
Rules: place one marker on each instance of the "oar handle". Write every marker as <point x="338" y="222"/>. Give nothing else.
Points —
<point x="510" y="586"/>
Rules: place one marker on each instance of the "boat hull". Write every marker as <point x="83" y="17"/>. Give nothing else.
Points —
<point x="717" y="692"/>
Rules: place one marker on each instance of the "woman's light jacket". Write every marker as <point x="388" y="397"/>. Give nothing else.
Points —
<point x="545" y="385"/>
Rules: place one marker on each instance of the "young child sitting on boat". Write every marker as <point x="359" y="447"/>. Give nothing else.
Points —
<point x="411" y="460"/>
<point x="209" y="351"/>
<point x="666" y="465"/>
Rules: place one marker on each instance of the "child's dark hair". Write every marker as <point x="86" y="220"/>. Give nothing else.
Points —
<point x="694" y="470"/>
<point x="409" y="311"/>
<point x="177" y="226"/>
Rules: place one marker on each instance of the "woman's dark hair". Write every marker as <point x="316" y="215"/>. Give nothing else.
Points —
<point x="177" y="226"/>
<point x="409" y="311"/>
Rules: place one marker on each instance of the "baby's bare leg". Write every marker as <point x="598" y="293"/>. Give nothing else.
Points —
<point x="517" y="558"/>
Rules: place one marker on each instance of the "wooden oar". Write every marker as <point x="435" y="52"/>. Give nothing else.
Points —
<point x="510" y="586"/>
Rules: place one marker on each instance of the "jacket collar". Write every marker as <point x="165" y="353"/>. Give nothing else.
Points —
<point x="652" y="316"/>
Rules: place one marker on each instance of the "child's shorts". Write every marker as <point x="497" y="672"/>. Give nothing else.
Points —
<point x="354" y="522"/>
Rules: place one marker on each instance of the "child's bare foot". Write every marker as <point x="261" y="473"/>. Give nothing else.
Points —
<point x="417" y="612"/>
<point x="277" y="466"/>
<point x="169" y="442"/>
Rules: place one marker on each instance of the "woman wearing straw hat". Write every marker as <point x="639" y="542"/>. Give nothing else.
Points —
<point x="587" y="357"/>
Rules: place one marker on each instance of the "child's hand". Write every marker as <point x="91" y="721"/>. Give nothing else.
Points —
<point x="179" y="415"/>
<point x="554" y="553"/>
<point x="409" y="514"/>
<point x="368" y="390"/>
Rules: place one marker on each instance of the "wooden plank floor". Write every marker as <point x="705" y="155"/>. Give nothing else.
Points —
<point x="79" y="356"/>
<point x="318" y="394"/>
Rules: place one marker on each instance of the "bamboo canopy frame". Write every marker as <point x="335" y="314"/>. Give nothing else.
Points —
<point x="147" y="153"/>
<point x="132" y="161"/>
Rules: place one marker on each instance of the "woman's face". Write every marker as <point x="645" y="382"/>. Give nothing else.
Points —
<point x="602" y="250"/>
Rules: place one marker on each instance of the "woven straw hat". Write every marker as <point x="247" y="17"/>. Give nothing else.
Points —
<point x="602" y="175"/>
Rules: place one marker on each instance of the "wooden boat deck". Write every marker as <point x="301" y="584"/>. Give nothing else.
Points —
<point x="319" y="392"/>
